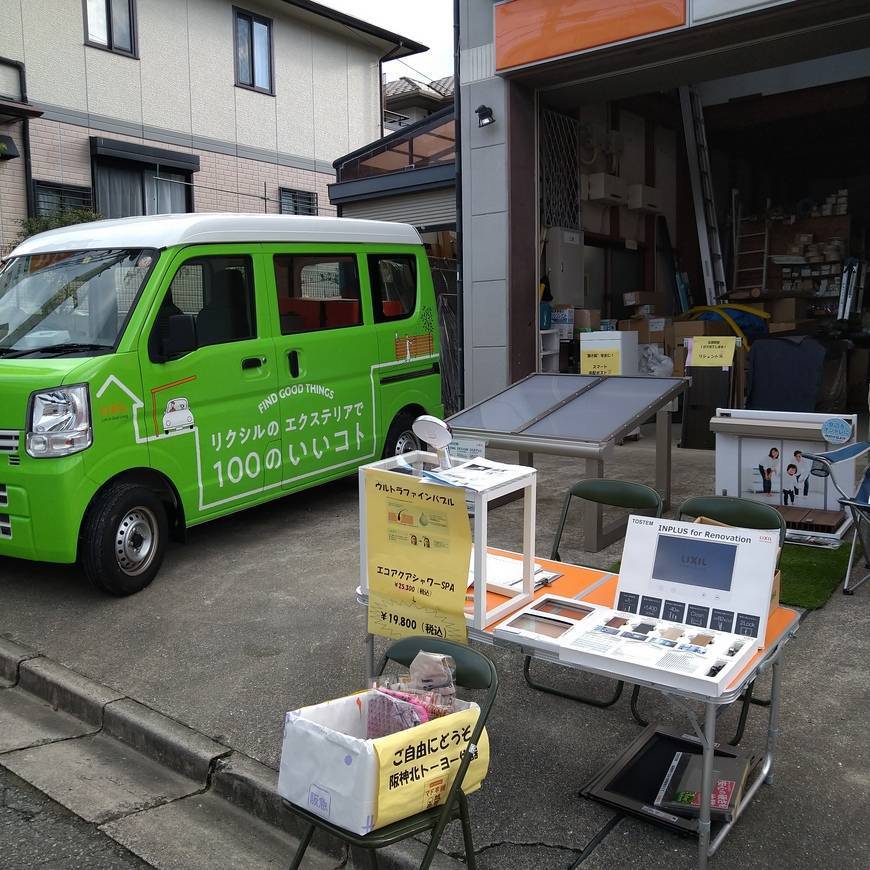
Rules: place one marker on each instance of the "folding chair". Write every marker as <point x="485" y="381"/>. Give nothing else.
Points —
<point x="858" y="504"/>
<point x="611" y="493"/>
<point x="473" y="671"/>
<point x="731" y="511"/>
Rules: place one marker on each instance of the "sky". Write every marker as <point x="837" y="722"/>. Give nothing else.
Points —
<point x="427" y="21"/>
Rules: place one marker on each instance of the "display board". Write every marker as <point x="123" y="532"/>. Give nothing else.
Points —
<point x="762" y="456"/>
<point x="705" y="576"/>
<point x="418" y="544"/>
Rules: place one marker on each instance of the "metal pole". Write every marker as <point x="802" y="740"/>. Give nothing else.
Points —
<point x="457" y="124"/>
<point x="706" y="785"/>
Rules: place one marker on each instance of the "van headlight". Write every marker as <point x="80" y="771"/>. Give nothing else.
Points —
<point x="59" y="422"/>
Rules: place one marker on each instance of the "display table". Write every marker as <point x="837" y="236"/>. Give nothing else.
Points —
<point x="599" y="587"/>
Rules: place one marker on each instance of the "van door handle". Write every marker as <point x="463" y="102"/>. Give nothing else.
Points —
<point x="293" y="357"/>
<point x="252" y="362"/>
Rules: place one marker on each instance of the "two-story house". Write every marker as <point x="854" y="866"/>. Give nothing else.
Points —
<point x="137" y="107"/>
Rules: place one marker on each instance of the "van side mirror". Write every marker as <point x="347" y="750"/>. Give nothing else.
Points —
<point x="181" y="337"/>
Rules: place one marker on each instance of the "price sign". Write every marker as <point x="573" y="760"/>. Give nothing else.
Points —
<point x="711" y="351"/>
<point x="600" y="362"/>
<point x="418" y="545"/>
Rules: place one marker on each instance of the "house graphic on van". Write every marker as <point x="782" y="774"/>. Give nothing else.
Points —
<point x="177" y="416"/>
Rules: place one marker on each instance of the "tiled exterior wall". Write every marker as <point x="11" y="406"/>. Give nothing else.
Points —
<point x="61" y="153"/>
<point x="13" y="198"/>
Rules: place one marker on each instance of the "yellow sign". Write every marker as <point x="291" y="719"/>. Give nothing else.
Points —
<point x="711" y="351"/>
<point x="418" y="545"/>
<point x="600" y="362"/>
<point x="416" y="767"/>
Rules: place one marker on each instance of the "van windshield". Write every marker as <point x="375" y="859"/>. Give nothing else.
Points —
<point x="69" y="301"/>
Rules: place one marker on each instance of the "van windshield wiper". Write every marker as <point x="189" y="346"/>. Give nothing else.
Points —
<point x="55" y="349"/>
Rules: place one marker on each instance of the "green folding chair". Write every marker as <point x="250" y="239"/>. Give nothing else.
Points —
<point x="611" y="493"/>
<point x="473" y="671"/>
<point x="731" y="511"/>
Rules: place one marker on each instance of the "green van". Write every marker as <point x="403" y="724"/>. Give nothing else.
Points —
<point x="158" y="372"/>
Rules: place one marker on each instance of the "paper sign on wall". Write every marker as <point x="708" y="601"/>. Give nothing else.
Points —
<point x="600" y="362"/>
<point x="418" y="545"/>
<point x="710" y="576"/>
<point x="710" y="351"/>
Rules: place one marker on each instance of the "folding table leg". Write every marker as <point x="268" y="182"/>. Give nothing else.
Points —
<point x="571" y="696"/>
<point x="706" y="785"/>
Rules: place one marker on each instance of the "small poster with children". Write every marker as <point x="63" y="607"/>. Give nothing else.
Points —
<point x="777" y="472"/>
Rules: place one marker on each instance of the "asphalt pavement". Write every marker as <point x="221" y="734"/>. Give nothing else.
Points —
<point x="38" y="834"/>
<point x="256" y="615"/>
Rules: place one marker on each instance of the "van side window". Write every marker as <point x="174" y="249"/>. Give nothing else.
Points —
<point x="218" y="292"/>
<point x="394" y="286"/>
<point x="317" y="291"/>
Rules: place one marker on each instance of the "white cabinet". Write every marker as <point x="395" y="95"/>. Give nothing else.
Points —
<point x="549" y="350"/>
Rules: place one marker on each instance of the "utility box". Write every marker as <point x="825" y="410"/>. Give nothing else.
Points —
<point x="642" y="197"/>
<point x="604" y="189"/>
<point x="565" y="266"/>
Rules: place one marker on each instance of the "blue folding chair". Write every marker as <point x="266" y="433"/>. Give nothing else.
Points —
<point x="858" y="504"/>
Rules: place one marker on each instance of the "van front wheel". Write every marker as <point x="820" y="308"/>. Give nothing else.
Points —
<point x="124" y="539"/>
<point x="401" y="437"/>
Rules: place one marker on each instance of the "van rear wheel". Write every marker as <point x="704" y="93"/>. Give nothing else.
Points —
<point x="401" y="437"/>
<point x="124" y="539"/>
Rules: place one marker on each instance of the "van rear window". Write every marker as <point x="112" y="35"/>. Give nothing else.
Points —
<point x="394" y="286"/>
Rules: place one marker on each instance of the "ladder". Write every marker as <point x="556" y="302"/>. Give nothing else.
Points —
<point x="702" y="194"/>
<point x="748" y="279"/>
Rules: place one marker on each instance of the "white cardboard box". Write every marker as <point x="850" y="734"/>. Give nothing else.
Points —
<point x="624" y="342"/>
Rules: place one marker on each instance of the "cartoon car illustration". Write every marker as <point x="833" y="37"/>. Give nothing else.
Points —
<point x="177" y="416"/>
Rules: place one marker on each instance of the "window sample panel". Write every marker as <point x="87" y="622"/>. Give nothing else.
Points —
<point x="513" y="409"/>
<point x="599" y="413"/>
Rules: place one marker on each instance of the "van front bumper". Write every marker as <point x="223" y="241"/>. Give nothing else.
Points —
<point x="42" y="502"/>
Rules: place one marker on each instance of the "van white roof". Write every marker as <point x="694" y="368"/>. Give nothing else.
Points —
<point x="165" y="230"/>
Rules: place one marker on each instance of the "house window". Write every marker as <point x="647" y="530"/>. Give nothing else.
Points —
<point x="51" y="198"/>
<point x="111" y="24"/>
<point x="298" y="201"/>
<point x="127" y="189"/>
<point x="253" y="51"/>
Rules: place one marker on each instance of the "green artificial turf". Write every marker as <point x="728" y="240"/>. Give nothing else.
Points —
<point x="809" y="574"/>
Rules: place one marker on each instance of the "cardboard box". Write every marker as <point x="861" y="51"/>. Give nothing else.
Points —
<point x="586" y="320"/>
<point x="563" y="321"/>
<point x="807" y="326"/>
<point x="639" y="297"/>
<point x="788" y="309"/>
<point x="640" y="325"/>
<point x="321" y="742"/>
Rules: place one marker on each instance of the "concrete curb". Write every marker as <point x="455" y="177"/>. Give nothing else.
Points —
<point x="11" y="657"/>
<point x="166" y="741"/>
<point x="66" y="690"/>
<point x="230" y="775"/>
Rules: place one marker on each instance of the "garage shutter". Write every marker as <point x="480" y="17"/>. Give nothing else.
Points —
<point x="426" y="208"/>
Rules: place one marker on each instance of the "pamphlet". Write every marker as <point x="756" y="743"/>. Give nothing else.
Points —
<point x="505" y="571"/>
<point x="680" y="792"/>
<point x="477" y="474"/>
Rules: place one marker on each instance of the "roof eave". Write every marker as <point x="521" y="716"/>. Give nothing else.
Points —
<point x="404" y="47"/>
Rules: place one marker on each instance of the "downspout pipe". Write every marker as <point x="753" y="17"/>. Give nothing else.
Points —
<point x="460" y="295"/>
<point x="25" y="131"/>
<point x="381" y="62"/>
